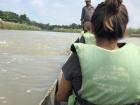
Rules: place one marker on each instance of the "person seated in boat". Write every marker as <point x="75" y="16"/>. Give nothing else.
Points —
<point x="105" y="73"/>
<point x="87" y="27"/>
<point x="87" y="35"/>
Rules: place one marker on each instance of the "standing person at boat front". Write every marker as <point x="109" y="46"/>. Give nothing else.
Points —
<point x="105" y="73"/>
<point x="87" y="12"/>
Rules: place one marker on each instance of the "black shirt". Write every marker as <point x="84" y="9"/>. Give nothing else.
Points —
<point x="71" y="69"/>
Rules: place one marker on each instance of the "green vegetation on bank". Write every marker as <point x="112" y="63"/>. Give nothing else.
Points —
<point x="10" y="20"/>
<point x="17" y="26"/>
<point x="134" y="32"/>
<point x="16" y="19"/>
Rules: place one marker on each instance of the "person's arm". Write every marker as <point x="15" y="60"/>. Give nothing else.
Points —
<point x="64" y="90"/>
<point x="70" y="70"/>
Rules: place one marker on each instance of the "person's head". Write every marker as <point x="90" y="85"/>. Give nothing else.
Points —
<point x="87" y="26"/>
<point x="110" y="20"/>
<point x="88" y="2"/>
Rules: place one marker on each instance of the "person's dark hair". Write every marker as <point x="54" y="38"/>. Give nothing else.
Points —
<point x="110" y="20"/>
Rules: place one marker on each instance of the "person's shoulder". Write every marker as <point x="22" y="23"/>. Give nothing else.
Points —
<point x="91" y="6"/>
<point x="76" y="46"/>
<point x="84" y="7"/>
<point x="133" y="46"/>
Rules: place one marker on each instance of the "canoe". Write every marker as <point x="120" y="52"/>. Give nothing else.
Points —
<point x="49" y="98"/>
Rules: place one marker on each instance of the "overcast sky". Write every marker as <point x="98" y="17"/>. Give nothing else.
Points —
<point x="62" y="11"/>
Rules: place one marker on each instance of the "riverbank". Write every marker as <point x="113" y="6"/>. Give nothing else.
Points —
<point x="134" y="35"/>
<point x="17" y="26"/>
<point x="67" y="30"/>
<point x="133" y="32"/>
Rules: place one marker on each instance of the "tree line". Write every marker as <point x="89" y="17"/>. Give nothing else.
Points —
<point x="23" y="19"/>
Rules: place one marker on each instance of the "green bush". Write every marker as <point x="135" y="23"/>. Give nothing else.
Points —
<point x="133" y="32"/>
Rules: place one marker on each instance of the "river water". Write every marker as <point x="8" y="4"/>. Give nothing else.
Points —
<point x="30" y="61"/>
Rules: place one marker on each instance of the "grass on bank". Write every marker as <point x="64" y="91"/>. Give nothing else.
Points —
<point x="133" y="32"/>
<point x="17" y="26"/>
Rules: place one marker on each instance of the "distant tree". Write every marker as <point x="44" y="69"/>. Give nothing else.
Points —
<point x="9" y="16"/>
<point x="1" y="13"/>
<point x="73" y="25"/>
<point x="34" y="23"/>
<point x="24" y="19"/>
<point x="13" y="17"/>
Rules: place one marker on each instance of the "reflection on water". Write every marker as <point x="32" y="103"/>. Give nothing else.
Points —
<point x="29" y="62"/>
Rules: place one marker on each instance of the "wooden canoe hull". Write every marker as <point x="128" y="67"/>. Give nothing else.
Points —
<point x="49" y="98"/>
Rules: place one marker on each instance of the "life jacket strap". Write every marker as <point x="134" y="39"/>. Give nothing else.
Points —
<point x="80" y="100"/>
